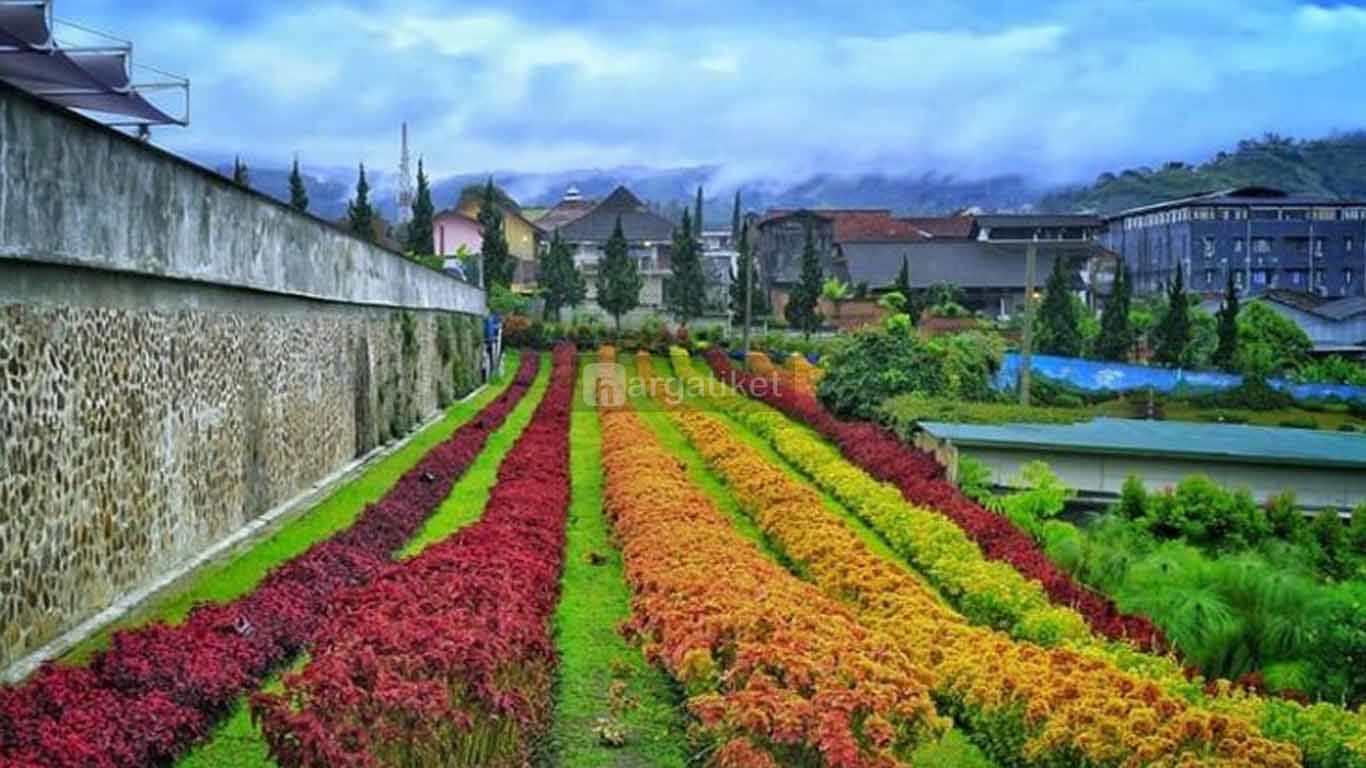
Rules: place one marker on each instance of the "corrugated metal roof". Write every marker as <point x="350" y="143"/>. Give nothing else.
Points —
<point x="967" y="263"/>
<point x="1209" y="442"/>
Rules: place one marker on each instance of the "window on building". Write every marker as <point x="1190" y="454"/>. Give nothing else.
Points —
<point x="1347" y="276"/>
<point x="1266" y="213"/>
<point x="1354" y="214"/>
<point x="1232" y="214"/>
<point x="1208" y="243"/>
<point x="1326" y="214"/>
<point x="1202" y="214"/>
<point x="1237" y="245"/>
<point x="1238" y="278"/>
<point x="1297" y="276"/>
<point x="1318" y="278"/>
<point x="1319" y="244"/>
<point x="1295" y="214"/>
<point x="1209" y="278"/>
<point x="1261" y="245"/>
<point x="1347" y="244"/>
<point x="1261" y="277"/>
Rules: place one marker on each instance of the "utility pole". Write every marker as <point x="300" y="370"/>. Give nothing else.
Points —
<point x="749" y="294"/>
<point x="1027" y="342"/>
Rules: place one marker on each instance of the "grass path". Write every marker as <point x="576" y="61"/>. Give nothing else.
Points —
<point x="594" y="600"/>
<point x="237" y="743"/>
<point x="232" y="578"/>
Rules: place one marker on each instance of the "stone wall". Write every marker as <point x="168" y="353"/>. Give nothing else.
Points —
<point x="144" y="415"/>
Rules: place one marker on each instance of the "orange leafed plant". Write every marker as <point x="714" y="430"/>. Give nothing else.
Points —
<point x="775" y="673"/>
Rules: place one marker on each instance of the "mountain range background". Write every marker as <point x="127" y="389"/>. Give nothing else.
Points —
<point x="1333" y="166"/>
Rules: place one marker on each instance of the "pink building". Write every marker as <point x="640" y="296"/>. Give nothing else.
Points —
<point x="452" y="229"/>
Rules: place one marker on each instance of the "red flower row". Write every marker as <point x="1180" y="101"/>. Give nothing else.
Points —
<point x="159" y="688"/>
<point x="450" y="653"/>
<point x="921" y="480"/>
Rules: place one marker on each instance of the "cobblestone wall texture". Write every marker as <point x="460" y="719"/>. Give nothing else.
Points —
<point x="132" y="439"/>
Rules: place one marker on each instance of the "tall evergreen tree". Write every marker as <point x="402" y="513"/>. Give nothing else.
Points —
<point x="1226" y="354"/>
<point x="687" y="288"/>
<point x="562" y="284"/>
<point x="759" y="305"/>
<point x="1059" y="326"/>
<point x="697" y="214"/>
<point x="1174" y="333"/>
<point x="420" y="239"/>
<point x="240" y="176"/>
<point x="619" y="280"/>
<point x="298" y="193"/>
<point x="499" y="265"/>
<point x="1116" y="331"/>
<point x="803" y="306"/>
<point x="359" y="211"/>
<point x="735" y="218"/>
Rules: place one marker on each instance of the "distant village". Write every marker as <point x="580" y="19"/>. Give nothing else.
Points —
<point x="1304" y="255"/>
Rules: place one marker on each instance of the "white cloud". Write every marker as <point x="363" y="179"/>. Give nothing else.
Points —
<point x="1062" y="91"/>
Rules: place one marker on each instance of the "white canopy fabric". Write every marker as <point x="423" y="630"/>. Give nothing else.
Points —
<point x="92" y="79"/>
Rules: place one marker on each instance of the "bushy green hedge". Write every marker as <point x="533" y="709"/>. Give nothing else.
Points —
<point x="875" y="364"/>
<point x="903" y="412"/>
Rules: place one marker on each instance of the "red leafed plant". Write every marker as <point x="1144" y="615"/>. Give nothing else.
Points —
<point x="445" y="659"/>
<point x="159" y="688"/>
<point x="921" y="480"/>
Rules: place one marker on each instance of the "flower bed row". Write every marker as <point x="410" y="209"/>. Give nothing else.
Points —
<point x="159" y="688"/>
<point x="447" y="658"/>
<point x="1021" y="703"/>
<point x="988" y="592"/>
<point x="1328" y="735"/>
<point x="775" y="672"/>
<point x="920" y="479"/>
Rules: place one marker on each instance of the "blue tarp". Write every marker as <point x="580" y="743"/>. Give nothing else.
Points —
<point x="1099" y="376"/>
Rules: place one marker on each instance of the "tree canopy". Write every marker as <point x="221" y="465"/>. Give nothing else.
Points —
<point x="1174" y="332"/>
<point x="619" y="280"/>
<point x="298" y="193"/>
<point x="420" y="239"/>
<point x="359" y="212"/>
<point x="562" y="284"/>
<point x="803" y="306"/>
<point x="499" y="265"/>
<point x="1116" y="341"/>
<point x="1059" y="322"/>
<point x="686" y="291"/>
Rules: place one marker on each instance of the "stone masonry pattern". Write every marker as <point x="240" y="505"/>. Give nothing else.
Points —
<point x="131" y="440"/>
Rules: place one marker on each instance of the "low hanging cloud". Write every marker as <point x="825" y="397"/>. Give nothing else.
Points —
<point x="1057" y="90"/>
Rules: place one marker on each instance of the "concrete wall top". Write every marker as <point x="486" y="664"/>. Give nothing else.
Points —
<point x="74" y="192"/>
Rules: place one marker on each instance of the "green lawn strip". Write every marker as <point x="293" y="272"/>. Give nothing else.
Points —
<point x="237" y="742"/>
<point x="229" y="579"/>
<point x="470" y="494"/>
<point x="594" y="600"/>
<point x="238" y="738"/>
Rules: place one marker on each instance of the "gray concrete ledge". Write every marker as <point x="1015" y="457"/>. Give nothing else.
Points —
<point x="76" y="193"/>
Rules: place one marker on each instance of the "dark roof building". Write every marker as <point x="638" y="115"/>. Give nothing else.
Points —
<point x="638" y="222"/>
<point x="572" y="206"/>
<point x="969" y="264"/>
<point x="1263" y="238"/>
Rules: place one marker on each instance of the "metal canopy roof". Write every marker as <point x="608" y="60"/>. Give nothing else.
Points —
<point x="1207" y="442"/>
<point x="95" y="77"/>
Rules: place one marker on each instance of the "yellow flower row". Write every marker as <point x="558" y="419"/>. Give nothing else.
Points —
<point x="775" y="672"/>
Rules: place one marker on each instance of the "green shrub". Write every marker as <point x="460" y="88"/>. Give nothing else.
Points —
<point x="1252" y="395"/>
<point x="1299" y="422"/>
<point x="1133" y="498"/>
<point x="873" y="365"/>
<point x="1335" y="552"/>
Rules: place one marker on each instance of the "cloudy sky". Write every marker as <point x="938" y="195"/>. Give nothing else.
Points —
<point x="1059" y="90"/>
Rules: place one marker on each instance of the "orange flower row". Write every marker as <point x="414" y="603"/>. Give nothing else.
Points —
<point x="1021" y="702"/>
<point x="775" y="672"/>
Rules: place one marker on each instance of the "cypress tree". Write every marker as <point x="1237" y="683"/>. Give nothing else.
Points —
<point x="359" y="212"/>
<point x="1059" y="324"/>
<point x="697" y="214"/>
<point x="735" y="219"/>
<point x="759" y="306"/>
<point x="1226" y="354"/>
<point x="1174" y="333"/>
<point x="298" y="193"/>
<point x="619" y="280"/>
<point x="803" y="307"/>
<point x="420" y="239"/>
<point x="240" y="176"/>
<point x="561" y="281"/>
<point x="687" y="289"/>
<point x="1116" y="332"/>
<point x="498" y="262"/>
